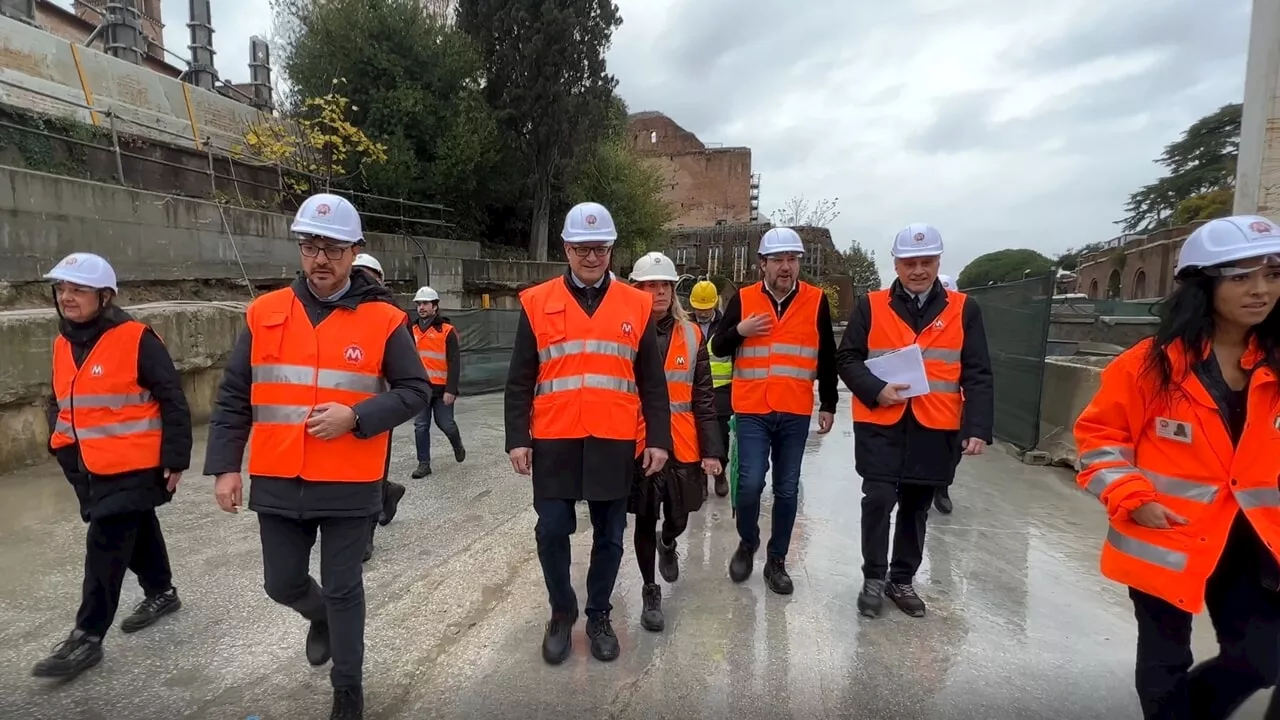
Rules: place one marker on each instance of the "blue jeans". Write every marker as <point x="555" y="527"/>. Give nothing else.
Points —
<point x="444" y="420"/>
<point x="557" y="521"/>
<point x="780" y="436"/>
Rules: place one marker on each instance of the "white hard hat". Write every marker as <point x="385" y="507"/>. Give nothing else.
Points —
<point x="330" y="217"/>
<point x="426" y="294"/>
<point x="1228" y="239"/>
<point x="917" y="240"/>
<point x="589" y="222"/>
<point x="365" y="260"/>
<point x="84" y="269"/>
<point x="946" y="281"/>
<point x="654" y="266"/>
<point x="781" y="240"/>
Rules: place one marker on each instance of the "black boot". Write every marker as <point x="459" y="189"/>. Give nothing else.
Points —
<point x="557" y="639"/>
<point x="871" y="599"/>
<point x="423" y="470"/>
<point x="904" y="596"/>
<point x="942" y="501"/>
<point x="722" y="485"/>
<point x="390" y="503"/>
<point x="348" y="704"/>
<point x="318" y="651"/>
<point x="72" y="656"/>
<point x="742" y="563"/>
<point x="459" y="452"/>
<point x="776" y="577"/>
<point x="604" y="644"/>
<point x="668" y="561"/>
<point x="150" y="610"/>
<point x="651" y="617"/>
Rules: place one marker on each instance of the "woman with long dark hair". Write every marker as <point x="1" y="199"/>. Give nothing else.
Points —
<point x="1182" y="446"/>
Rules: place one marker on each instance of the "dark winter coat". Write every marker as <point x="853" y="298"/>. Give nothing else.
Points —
<point x="679" y="485"/>
<point x="105" y="495"/>
<point x="908" y="451"/>
<point x="452" y="353"/>
<point x="232" y="419"/>
<point x="589" y="468"/>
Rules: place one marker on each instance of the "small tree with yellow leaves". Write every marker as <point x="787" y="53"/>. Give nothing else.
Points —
<point x="318" y="142"/>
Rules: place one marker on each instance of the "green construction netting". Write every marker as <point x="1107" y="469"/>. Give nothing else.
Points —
<point x="486" y="337"/>
<point x="1016" y="316"/>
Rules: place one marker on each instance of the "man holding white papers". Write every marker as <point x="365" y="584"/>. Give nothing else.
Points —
<point x="908" y="441"/>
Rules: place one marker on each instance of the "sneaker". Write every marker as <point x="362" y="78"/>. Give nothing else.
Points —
<point x="423" y="470"/>
<point x="604" y="643"/>
<point x="318" y="651"/>
<point x="348" y="704"/>
<point x="776" y="577"/>
<point x="72" y="656"/>
<point x="904" y="596"/>
<point x="557" y="639"/>
<point x="668" y="561"/>
<point x="742" y="563"/>
<point x="651" y="617"/>
<point x="871" y="599"/>
<point x="459" y="454"/>
<point x="391" y="503"/>
<point x="150" y="610"/>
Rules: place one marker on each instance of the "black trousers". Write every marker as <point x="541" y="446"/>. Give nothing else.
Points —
<point x="878" y="500"/>
<point x="114" y="544"/>
<point x="646" y="538"/>
<point x="1246" y="619"/>
<point x="338" y="599"/>
<point x="557" y="521"/>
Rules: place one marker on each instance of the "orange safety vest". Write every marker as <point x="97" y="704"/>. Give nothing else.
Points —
<point x="682" y="359"/>
<point x="1138" y="445"/>
<point x="297" y="366"/>
<point x="586" y="383"/>
<point x="775" y="372"/>
<point x="102" y="407"/>
<point x="941" y="344"/>
<point x="431" y="344"/>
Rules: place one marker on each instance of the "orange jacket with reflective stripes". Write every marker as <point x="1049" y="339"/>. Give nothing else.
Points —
<point x="941" y="344"/>
<point x="586" y="364"/>
<point x="431" y="348"/>
<point x="103" y="408"/>
<point x="682" y="359"/>
<point x="1139" y="445"/>
<point x="297" y="366"/>
<point x="775" y="372"/>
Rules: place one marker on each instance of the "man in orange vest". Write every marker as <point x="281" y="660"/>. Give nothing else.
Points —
<point x="322" y="373"/>
<point x="906" y="445"/>
<point x="120" y="428"/>
<point x="585" y="367"/>
<point x="437" y="341"/>
<point x="780" y="336"/>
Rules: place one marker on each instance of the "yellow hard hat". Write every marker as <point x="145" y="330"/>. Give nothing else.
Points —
<point x="704" y="295"/>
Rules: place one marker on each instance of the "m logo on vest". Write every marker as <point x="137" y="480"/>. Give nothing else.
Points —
<point x="96" y="371"/>
<point x="353" y="354"/>
<point x="680" y="361"/>
<point x="626" y="329"/>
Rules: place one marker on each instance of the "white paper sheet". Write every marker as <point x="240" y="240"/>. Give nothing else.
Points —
<point x="905" y="366"/>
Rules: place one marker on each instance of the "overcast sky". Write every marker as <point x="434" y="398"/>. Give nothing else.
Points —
<point x="1005" y="123"/>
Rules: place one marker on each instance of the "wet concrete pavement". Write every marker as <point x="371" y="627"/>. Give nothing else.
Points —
<point x="1020" y="623"/>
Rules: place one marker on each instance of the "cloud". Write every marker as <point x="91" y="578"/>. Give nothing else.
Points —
<point x="1004" y="123"/>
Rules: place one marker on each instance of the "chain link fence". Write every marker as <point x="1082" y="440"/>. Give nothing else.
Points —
<point x="1016" y="316"/>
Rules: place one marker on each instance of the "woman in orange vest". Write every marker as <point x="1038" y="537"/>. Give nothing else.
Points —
<point x="121" y="430"/>
<point x="680" y="487"/>
<point x="1180" y="446"/>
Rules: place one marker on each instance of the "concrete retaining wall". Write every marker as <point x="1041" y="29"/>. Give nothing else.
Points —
<point x="1069" y="384"/>
<point x="199" y="336"/>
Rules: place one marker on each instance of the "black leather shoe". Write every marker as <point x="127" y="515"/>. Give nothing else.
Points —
<point x="391" y="503"/>
<point x="776" y="577"/>
<point x="651" y="617"/>
<point x="318" y="643"/>
<point x="604" y="644"/>
<point x="557" y="639"/>
<point x="348" y="704"/>
<point x="741" y="564"/>
<point x="722" y="486"/>
<point x="942" y="501"/>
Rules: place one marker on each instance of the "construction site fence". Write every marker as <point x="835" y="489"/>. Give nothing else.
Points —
<point x="1016" y="316"/>
<point x="485" y="338"/>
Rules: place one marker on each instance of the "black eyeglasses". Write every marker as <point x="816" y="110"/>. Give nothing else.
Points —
<point x="330" y="251"/>
<point x="582" y="252"/>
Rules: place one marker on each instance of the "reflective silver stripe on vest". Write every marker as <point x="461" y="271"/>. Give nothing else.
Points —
<point x="121" y="428"/>
<point x="684" y="376"/>
<point x="681" y="407"/>
<point x="328" y="379"/>
<point x="775" y="367"/>
<point x="597" y="382"/>
<point x="281" y="414"/>
<point x="928" y="354"/>
<point x="579" y="347"/>
<point x="1256" y="498"/>
<point x="1164" y="484"/>
<point x="943" y="386"/>
<point x="115" y="402"/>
<point x="432" y="355"/>
<point x="1147" y="552"/>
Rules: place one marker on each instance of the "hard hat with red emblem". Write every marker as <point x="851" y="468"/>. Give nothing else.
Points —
<point x="330" y="217"/>
<point x="1227" y="240"/>
<point x="589" y="222"/>
<point x="86" y="270"/>
<point x="917" y="240"/>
